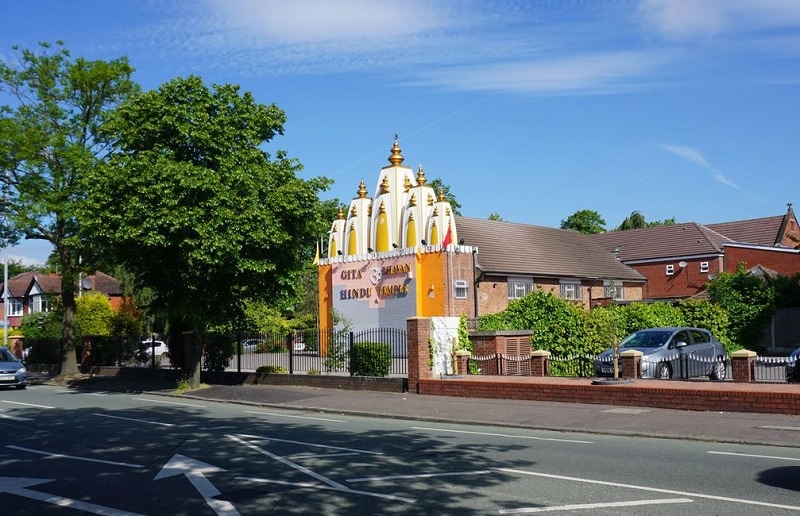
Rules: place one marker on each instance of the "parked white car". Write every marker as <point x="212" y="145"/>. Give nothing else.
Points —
<point x="160" y="347"/>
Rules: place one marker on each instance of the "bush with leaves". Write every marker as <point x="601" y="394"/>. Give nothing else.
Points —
<point x="749" y="301"/>
<point x="218" y="352"/>
<point x="712" y="317"/>
<point x="371" y="359"/>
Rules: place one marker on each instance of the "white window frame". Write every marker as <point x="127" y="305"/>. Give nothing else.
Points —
<point x="15" y="307"/>
<point x="571" y="290"/>
<point x="519" y="286"/>
<point x="703" y="266"/>
<point x="613" y="289"/>
<point x="670" y="270"/>
<point x="39" y="304"/>
<point x="460" y="287"/>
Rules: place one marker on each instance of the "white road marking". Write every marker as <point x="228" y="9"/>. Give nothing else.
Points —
<point x="422" y="475"/>
<point x="132" y="419"/>
<point x="773" y="457"/>
<point x="73" y="457"/>
<point x="330" y="488"/>
<point x="583" y="506"/>
<point x="780" y="427"/>
<point x="653" y="489"/>
<point x="629" y="411"/>
<point x="170" y="402"/>
<point x="14" y="418"/>
<point x="500" y="435"/>
<point x="314" y="445"/>
<point x="195" y="471"/>
<point x="27" y="404"/>
<point x="19" y="487"/>
<point x="295" y="417"/>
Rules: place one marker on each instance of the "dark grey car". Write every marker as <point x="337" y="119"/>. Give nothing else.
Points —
<point x="12" y="370"/>
<point x="792" y="366"/>
<point x="671" y="352"/>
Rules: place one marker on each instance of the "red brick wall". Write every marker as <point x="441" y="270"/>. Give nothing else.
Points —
<point x="628" y="395"/>
<point x="784" y="261"/>
<point x="684" y="281"/>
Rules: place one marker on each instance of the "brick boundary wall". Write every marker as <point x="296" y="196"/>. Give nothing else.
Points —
<point x="627" y="395"/>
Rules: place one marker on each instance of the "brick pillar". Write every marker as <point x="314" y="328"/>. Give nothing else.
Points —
<point x="540" y="363"/>
<point x="462" y="361"/>
<point x="419" y="357"/>
<point x="743" y="364"/>
<point x="631" y="363"/>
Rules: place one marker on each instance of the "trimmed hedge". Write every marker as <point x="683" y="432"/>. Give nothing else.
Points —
<point x="371" y="359"/>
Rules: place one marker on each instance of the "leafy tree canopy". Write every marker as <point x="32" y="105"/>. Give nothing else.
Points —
<point x="440" y="186"/>
<point x="495" y="216"/>
<point x="195" y="208"/>
<point x="636" y="220"/>
<point x="588" y="222"/>
<point x="50" y="140"/>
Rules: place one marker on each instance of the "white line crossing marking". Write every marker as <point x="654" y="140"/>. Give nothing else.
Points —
<point x="27" y="404"/>
<point x="653" y="489"/>
<point x="330" y="488"/>
<point x="295" y="417"/>
<point x="325" y="446"/>
<point x="752" y="456"/>
<point x="14" y="418"/>
<point x="554" y="508"/>
<point x="421" y="475"/>
<point x="170" y="402"/>
<point x="73" y="457"/>
<point x="490" y="434"/>
<point x="135" y="420"/>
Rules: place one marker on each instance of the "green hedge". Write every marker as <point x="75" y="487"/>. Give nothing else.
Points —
<point x="371" y="359"/>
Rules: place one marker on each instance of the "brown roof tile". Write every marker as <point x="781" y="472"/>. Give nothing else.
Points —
<point x="657" y="242"/>
<point x="511" y="248"/>
<point x="765" y="231"/>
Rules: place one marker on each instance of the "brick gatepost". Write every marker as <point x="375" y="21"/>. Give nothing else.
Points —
<point x="540" y="363"/>
<point x="462" y="361"/>
<point x="631" y="363"/>
<point x="419" y="357"/>
<point x="743" y="363"/>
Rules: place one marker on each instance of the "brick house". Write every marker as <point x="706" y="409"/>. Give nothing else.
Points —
<point x="33" y="292"/>
<point x="678" y="260"/>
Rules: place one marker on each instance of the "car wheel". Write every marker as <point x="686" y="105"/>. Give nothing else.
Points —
<point x="20" y="387"/>
<point x="663" y="372"/>
<point x="719" y="370"/>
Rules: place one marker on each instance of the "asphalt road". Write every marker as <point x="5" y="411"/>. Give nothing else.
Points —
<point x="70" y="451"/>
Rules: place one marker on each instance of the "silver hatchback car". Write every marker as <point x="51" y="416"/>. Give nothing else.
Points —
<point x="677" y="352"/>
<point x="12" y="371"/>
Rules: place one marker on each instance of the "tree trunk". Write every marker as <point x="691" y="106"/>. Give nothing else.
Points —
<point x="195" y="358"/>
<point x="69" y="361"/>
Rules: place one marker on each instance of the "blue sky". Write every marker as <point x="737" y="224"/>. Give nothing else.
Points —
<point x="534" y="110"/>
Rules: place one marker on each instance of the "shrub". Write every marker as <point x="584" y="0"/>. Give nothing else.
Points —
<point x="272" y="369"/>
<point x="218" y="352"/>
<point x="371" y="359"/>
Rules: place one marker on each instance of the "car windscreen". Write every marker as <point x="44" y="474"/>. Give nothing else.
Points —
<point x="7" y="356"/>
<point x="645" y="339"/>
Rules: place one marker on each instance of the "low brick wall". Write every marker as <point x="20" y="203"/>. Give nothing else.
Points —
<point x="352" y="383"/>
<point x="634" y="394"/>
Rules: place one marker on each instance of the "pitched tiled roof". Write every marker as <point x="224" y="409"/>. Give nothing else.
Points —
<point x="652" y="243"/>
<point x="765" y="231"/>
<point x="510" y="248"/>
<point x="51" y="283"/>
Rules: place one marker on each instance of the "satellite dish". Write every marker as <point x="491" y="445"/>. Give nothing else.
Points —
<point x="682" y="264"/>
<point x="86" y="284"/>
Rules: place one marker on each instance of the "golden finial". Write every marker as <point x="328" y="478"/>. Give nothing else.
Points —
<point x="382" y="208"/>
<point x="340" y="214"/>
<point x="441" y="195"/>
<point x="407" y="184"/>
<point x="436" y="211"/>
<point x="369" y="211"/>
<point x="385" y="185"/>
<point x="413" y="200"/>
<point x="353" y="211"/>
<point x="396" y="158"/>
<point x="447" y="212"/>
<point x="430" y="200"/>
<point x="421" y="176"/>
<point x="362" y="190"/>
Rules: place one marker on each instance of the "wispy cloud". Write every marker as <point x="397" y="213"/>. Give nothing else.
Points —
<point x="694" y="156"/>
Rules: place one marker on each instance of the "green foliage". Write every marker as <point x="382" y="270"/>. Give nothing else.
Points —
<point x="50" y="141"/>
<point x="440" y="186"/>
<point x="637" y="316"/>
<point x="712" y="317"/>
<point x="636" y="220"/>
<point x="371" y="359"/>
<point x="748" y="300"/>
<point x="93" y="314"/>
<point x="601" y="326"/>
<point x="41" y="325"/>
<point x="337" y="347"/>
<point x="495" y="216"/>
<point x="217" y="352"/>
<point x="272" y="369"/>
<point x="463" y="334"/>
<point x="588" y="222"/>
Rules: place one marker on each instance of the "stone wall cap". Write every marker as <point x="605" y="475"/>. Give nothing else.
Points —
<point x="501" y="333"/>
<point x="631" y="353"/>
<point x="462" y="352"/>
<point x="540" y="353"/>
<point x="744" y="353"/>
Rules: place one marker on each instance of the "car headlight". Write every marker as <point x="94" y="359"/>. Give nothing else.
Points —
<point x="21" y="370"/>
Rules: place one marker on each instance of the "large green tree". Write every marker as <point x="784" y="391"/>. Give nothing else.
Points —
<point x="196" y="209"/>
<point x="588" y="222"/>
<point x="636" y="220"/>
<point x="53" y="109"/>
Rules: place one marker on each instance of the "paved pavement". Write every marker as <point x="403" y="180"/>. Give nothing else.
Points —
<point x="767" y="429"/>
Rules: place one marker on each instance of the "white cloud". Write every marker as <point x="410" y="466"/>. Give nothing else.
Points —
<point x="699" y="19"/>
<point x="694" y="156"/>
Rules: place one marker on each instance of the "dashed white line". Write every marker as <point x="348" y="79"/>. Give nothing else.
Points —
<point x="585" y="506"/>
<point x="422" y="475"/>
<point x="170" y="402"/>
<point x="295" y="417"/>
<point x="490" y="434"/>
<point x="133" y="419"/>
<point x="27" y="404"/>
<point x="74" y="457"/>
<point x="752" y="456"/>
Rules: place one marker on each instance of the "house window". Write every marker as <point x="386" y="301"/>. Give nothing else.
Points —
<point x="14" y="307"/>
<point x="571" y="290"/>
<point x="670" y="270"/>
<point x="613" y="289"/>
<point x="461" y="289"/>
<point x="703" y="266"/>
<point x="39" y="303"/>
<point x="519" y="287"/>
